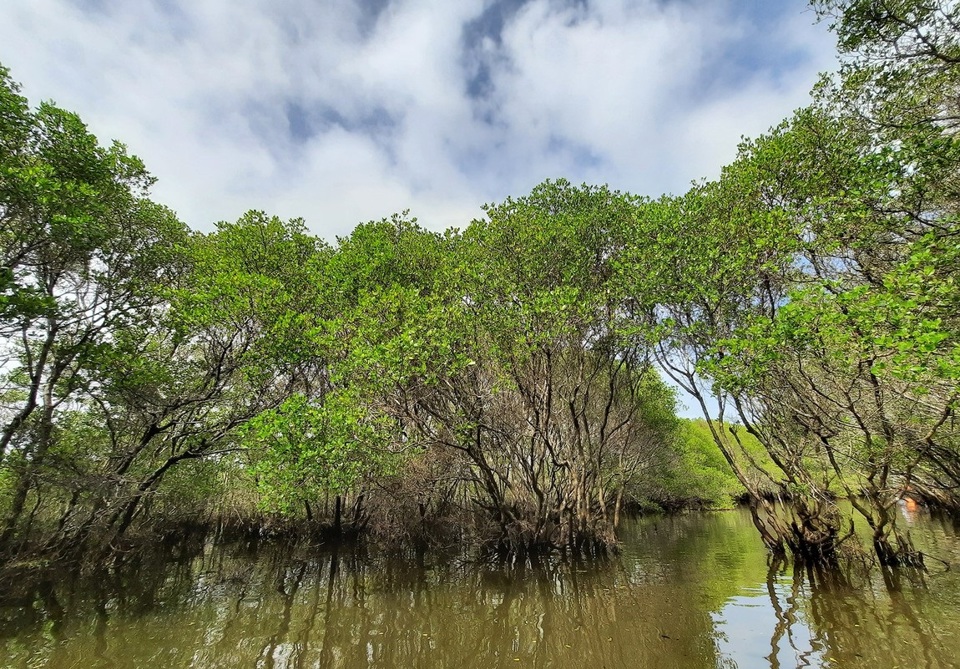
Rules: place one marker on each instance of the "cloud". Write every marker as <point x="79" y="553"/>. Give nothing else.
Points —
<point x="347" y="111"/>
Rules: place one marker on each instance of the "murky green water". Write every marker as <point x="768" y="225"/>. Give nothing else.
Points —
<point x="690" y="591"/>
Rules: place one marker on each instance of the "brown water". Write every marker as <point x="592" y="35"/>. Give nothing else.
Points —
<point x="687" y="592"/>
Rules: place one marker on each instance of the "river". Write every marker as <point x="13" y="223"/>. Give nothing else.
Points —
<point x="686" y="591"/>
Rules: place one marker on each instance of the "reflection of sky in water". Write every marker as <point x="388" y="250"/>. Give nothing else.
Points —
<point x="762" y="627"/>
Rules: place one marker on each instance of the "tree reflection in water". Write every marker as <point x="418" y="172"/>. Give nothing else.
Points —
<point x="691" y="591"/>
<point x="825" y="619"/>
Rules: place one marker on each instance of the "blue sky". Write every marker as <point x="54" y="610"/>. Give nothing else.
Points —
<point x="341" y="111"/>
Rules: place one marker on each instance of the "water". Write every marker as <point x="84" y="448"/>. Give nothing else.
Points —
<point x="689" y="591"/>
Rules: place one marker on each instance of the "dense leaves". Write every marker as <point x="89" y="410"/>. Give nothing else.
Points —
<point x="503" y="382"/>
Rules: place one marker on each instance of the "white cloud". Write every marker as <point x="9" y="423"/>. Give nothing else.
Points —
<point x="637" y="94"/>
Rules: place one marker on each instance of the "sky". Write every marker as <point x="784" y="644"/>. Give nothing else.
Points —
<point x="344" y="111"/>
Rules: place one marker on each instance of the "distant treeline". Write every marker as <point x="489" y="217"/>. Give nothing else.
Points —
<point x="502" y="383"/>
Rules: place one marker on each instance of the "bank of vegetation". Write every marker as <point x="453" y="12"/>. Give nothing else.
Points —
<point x="509" y="383"/>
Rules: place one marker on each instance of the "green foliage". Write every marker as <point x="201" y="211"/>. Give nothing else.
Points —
<point x="809" y="294"/>
<point x="700" y="471"/>
<point x="305" y="449"/>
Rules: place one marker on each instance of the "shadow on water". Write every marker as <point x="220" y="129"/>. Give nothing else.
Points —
<point x="691" y="591"/>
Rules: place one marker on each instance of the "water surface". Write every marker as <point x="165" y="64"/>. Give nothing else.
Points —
<point x="687" y="591"/>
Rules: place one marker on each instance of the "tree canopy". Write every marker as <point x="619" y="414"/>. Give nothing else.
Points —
<point x="513" y="381"/>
